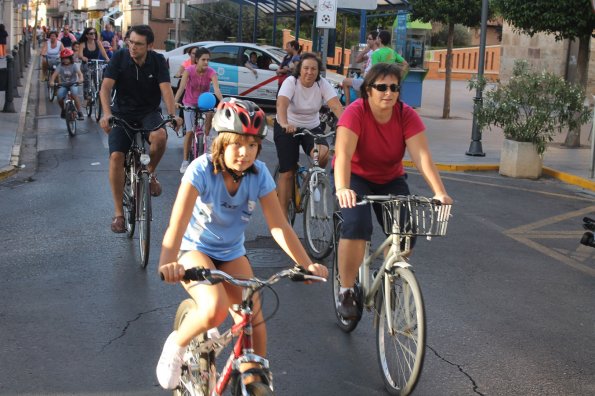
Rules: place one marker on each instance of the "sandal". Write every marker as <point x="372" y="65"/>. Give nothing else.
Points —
<point x="118" y="225"/>
<point x="155" y="186"/>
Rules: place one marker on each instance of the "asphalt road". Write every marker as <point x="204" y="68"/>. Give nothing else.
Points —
<point x="509" y="292"/>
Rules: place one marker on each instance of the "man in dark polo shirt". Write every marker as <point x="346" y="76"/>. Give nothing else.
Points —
<point x="141" y="79"/>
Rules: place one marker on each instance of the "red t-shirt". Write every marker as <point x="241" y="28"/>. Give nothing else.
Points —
<point x="380" y="147"/>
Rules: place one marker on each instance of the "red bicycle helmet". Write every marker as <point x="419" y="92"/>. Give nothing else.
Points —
<point x="66" y="53"/>
<point x="240" y="116"/>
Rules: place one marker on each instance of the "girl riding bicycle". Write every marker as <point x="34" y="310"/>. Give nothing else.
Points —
<point x="68" y="72"/>
<point x="196" y="80"/>
<point x="215" y="202"/>
<point x="372" y="136"/>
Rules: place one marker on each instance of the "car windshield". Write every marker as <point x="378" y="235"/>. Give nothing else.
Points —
<point x="277" y="53"/>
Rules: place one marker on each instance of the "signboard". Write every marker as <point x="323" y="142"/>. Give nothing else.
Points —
<point x="400" y="32"/>
<point x="326" y="14"/>
<point x="354" y="4"/>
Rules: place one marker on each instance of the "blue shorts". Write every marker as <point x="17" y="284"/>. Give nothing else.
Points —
<point x="62" y="91"/>
<point x="120" y="141"/>
<point x="357" y="221"/>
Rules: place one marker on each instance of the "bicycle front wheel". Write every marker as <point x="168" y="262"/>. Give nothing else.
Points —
<point x="195" y="362"/>
<point x="129" y="202"/>
<point x="318" y="214"/>
<point x="144" y="219"/>
<point x="71" y="116"/>
<point x="97" y="108"/>
<point x="401" y="343"/>
<point x="291" y="207"/>
<point x="51" y="92"/>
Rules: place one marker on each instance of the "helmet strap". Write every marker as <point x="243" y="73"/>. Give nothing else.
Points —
<point x="236" y="177"/>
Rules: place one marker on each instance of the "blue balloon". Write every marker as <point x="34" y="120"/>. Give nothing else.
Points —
<point x="206" y="101"/>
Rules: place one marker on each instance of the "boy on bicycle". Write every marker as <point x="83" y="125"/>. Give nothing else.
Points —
<point x="68" y="73"/>
<point x="215" y="202"/>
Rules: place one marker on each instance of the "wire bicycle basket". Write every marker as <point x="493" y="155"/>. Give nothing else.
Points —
<point x="412" y="215"/>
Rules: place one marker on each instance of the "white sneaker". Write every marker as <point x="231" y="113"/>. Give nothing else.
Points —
<point x="169" y="367"/>
<point x="184" y="166"/>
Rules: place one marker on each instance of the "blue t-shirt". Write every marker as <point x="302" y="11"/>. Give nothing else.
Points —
<point x="218" y="219"/>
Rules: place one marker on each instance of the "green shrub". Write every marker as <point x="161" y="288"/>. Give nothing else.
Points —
<point x="532" y="107"/>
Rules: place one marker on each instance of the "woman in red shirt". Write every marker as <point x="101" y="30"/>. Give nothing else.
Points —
<point x="372" y="135"/>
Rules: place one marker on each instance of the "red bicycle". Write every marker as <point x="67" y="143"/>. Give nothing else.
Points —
<point x="199" y="373"/>
<point x="199" y="139"/>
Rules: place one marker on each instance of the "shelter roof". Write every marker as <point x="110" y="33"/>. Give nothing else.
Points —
<point x="290" y="6"/>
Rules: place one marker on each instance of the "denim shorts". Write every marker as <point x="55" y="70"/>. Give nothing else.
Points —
<point x="62" y="91"/>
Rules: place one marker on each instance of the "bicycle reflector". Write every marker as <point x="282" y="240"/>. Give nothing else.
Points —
<point x="145" y="159"/>
<point x="206" y="101"/>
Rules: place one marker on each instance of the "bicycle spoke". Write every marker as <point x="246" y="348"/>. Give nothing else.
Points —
<point x="318" y="216"/>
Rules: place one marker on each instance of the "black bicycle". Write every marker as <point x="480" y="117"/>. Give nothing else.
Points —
<point x="137" y="185"/>
<point x="588" y="239"/>
<point x="70" y="111"/>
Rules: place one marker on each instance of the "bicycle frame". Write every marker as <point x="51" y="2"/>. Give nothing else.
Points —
<point x="198" y="130"/>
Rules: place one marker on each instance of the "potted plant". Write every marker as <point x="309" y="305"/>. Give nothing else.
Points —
<point x="531" y="108"/>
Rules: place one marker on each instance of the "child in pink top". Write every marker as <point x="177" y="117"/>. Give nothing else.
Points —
<point x="196" y="80"/>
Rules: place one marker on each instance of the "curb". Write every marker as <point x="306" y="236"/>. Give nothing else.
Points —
<point x="15" y="155"/>
<point x="562" y="176"/>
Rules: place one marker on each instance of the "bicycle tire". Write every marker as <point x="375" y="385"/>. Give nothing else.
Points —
<point x="204" y="361"/>
<point x="89" y="107"/>
<point x="291" y="210"/>
<point x="253" y="389"/>
<point x="200" y="146"/>
<point x="129" y="200"/>
<point x="346" y="325"/>
<point x="71" y="116"/>
<point x="318" y="217"/>
<point x="144" y="237"/>
<point x="51" y="92"/>
<point x="400" y="373"/>
<point x="97" y="101"/>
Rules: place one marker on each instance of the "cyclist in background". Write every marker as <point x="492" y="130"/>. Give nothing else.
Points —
<point x="50" y="53"/>
<point x="216" y="200"/>
<point x="141" y="79"/>
<point x="364" y="55"/>
<point x="90" y="48"/>
<point x="294" y="49"/>
<point x="196" y="80"/>
<point x="385" y="54"/>
<point x="68" y="72"/>
<point x="66" y="37"/>
<point x="298" y="106"/>
<point x="372" y="136"/>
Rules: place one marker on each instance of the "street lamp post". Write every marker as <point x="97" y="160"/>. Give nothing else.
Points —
<point x="475" y="149"/>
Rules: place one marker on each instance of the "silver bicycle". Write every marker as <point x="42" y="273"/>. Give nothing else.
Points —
<point x="392" y="292"/>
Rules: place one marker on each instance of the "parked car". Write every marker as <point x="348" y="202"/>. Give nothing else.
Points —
<point x="228" y="59"/>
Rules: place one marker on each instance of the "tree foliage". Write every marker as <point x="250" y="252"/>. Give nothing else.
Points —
<point x="568" y="19"/>
<point x="464" y="12"/>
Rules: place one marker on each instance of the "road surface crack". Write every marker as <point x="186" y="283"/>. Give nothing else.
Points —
<point x="129" y="323"/>
<point x="459" y="367"/>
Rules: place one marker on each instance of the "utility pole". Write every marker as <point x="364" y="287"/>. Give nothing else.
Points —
<point x="178" y="17"/>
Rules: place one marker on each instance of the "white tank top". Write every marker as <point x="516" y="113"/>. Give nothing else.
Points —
<point x="53" y="52"/>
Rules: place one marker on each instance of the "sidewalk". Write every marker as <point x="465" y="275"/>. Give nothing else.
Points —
<point x="13" y="124"/>
<point x="449" y="139"/>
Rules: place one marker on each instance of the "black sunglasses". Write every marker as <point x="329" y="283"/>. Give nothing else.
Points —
<point x="384" y="87"/>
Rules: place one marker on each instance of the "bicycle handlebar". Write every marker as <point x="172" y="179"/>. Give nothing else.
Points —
<point x="67" y="85"/>
<point x="212" y="277"/>
<point x="364" y="199"/>
<point x="196" y="109"/>
<point x="589" y="224"/>
<point x="113" y="121"/>
<point x="307" y="132"/>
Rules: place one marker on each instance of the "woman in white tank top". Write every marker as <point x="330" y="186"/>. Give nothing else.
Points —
<point x="50" y="53"/>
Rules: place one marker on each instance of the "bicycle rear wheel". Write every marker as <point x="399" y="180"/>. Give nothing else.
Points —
<point x="318" y="215"/>
<point x="129" y="200"/>
<point x="347" y="325"/>
<point x="197" y="366"/>
<point x="71" y="116"/>
<point x="51" y="91"/>
<point x="291" y="210"/>
<point x="401" y="351"/>
<point x="144" y="237"/>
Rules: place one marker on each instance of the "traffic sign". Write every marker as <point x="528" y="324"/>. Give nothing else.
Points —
<point x="326" y="14"/>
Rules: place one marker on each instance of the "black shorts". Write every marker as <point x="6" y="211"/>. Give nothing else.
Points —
<point x="216" y="262"/>
<point x="288" y="147"/>
<point x="120" y="141"/>
<point x="357" y="221"/>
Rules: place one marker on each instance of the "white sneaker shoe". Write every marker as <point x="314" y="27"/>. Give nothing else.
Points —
<point x="184" y="166"/>
<point x="169" y="367"/>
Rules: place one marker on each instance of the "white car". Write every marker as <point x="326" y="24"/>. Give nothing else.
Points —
<point x="228" y="59"/>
